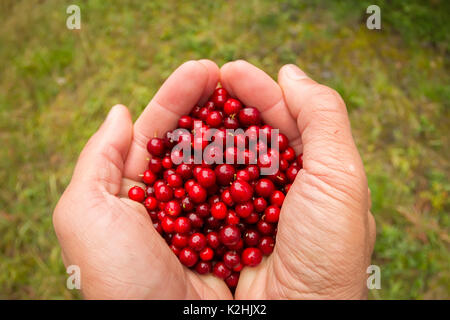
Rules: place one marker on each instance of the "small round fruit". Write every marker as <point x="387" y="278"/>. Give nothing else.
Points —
<point x="188" y="257"/>
<point x="156" y="147"/>
<point x="241" y="191"/>
<point x="251" y="257"/>
<point x="221" y="270"/>
<point x="229" y="235"/>
<point x="137" y="194"/>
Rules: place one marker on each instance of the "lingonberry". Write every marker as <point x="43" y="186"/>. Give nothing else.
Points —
<point x="195" y="219"/>
<point x="155" y="165"/>
<point x="163" y="192"/>
<point x="291" y="173"/>
<point x="149" y="177"/>
<point x="221" y="270"/>
<point x="188" y="257"/>
<point x="213" y="239"/>
<point x="283" y="142"/>
<point x="151" y="203"/>
<point x="243" y="175"/>
<point x="219" y="210"/>
<point x="232" y="106"/>
<point x="186" y="122"/>
<point x="252" y="218"/>
<point x="179" y="193"/>
<point x="260" y="204"/>
<point x="266" y="245"/>
<point x="214" y="119"/>
<point x="168" y="224"/>
<point x="232" y="280"/>
<point x="249" y="116"/>
<point x="197" y="193"/>
<point x="206" y="254"/>
<point x="156" y="147"/>
<point x="251" y="238"/>
<point x="265" y="228"/>
<point x="197" y="241"/>
<point x="277" y="198"/>
<point x="272" y="214"/>
<point x="288" y="154"/>
<point x="251" y="257"/>
<point x="241" y="191"/>
<point x="202" y="210"/>
<point x="226" y="198"/>
<point x="231" y="123"/>
<point x="206" y="177"/>
<point x="231" y="218"/>
<point x="203" y="267"/>
<point x="225" y="174"/>
<point x="231" y="259"/>
<point x="173" y="208"/>
<point x="244" y="209"/>
<point x="136" y="193"/>
<point x="180" y="240"/>
<point x="182" y="225"/>
<point x="174" y="180"/>
<point x="229" y="235"/>
<point x="264" y="187"/>
<point x="184" y="170"/>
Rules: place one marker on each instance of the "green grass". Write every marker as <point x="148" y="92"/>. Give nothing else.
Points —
<point x="57" y="85"/>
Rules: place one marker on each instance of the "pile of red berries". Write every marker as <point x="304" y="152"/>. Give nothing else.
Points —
<point x="218" y="217"/>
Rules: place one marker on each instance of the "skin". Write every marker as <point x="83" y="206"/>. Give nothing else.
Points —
<point x="326" y="232"/>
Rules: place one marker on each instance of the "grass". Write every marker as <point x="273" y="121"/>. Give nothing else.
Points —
<point x="57" y="85"/>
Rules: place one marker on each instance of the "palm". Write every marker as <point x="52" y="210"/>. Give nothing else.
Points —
<point x="322" y="228"/>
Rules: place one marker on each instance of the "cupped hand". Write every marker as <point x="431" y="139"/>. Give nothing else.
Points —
<point x="326" y="232"/>
<point x="111" y="238"/>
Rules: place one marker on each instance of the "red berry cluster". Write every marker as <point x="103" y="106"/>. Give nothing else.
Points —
<point x="218" y="217"/>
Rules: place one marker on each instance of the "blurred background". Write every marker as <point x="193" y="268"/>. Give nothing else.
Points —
<point x="57" y="85"/>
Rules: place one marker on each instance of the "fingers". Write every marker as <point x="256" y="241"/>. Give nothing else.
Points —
<point x="329" y="151"/>
<point x="192" y="82"/>
<point x="100" y="164"/>
<point x="257" y="89"/>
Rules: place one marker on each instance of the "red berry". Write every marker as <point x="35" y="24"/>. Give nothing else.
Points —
<point x="251" y="238"/>
<point x="214" y="119"/>
<point x="288" y="154"/>
<point x="277" y="198"/>
<point x="188" y="257"/>
<point x="272" y="214"/>
<point x="207" y="254"/>
<point x="151" y="203"/>
<point x="231" y="259"/>
<point x="197" y="241"/>
<point x="232" y="106"/>
<point x="231" y="218"/>
<point x="219" y="210"/>
<point x="225" y="174"/>
<point x="182" y="225"/>
<point x="173" y="208"/>
<point x="156" y="147"/>
<point x="155" y="165"/>
<point x="136" y="193"/>
<point x="241" y="191"/>
<point x="231" y="123"/>
<point x="300" y="160"/>
<point x="206" y="177"/>
<point x="260" y="204"/>
<point x="168" y="224"/>
<point x="197" y="193"/>
<point x="249" y="116"/>
<point x="196" y="221"/>
<point x="229" y="235"/>
<point x="283" y="142"/>
<point x="265" y="228"/>
<point x="174" y="180"/>
<point x="203" y="267"/>
<point x="232" y="280"/>
<point x="264" y="188"/>
<point x="244" y="209"/>
<point x="180" y="240"/>
<point x="213" y="239"/>
<point x="149" y="177"/>
<point x="184" y="170"/>
<point x="266" y="245"/>
<point x="251" y="257"/>
<point x="163" y="192"/>
<point x="221" y="271"/>
<point x="291" y="173"/>
<point x="186" y="122"/>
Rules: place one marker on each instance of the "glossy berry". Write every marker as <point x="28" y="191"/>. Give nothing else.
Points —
<point x="251" y="238"/>
<point x="272" y="214"/>
<point x="136" y="193"/>
<point x="233" y="279"/>
<point x="206" y="177"/>
<point x="229" y="235"/>
<point x="149" y="177"/>
<point x="197" y="241"/>
<point x="231" y="259"/>
<point x="156" y="147"/>
<point x="251" y="257"/>
<point x="186" y="122"/>
<point x="203" y="267"/>
<point x="244" y="209"/>
<point x="173" y="208"/>
<point x="182" y="225"/>
<point x="163" y="193"/>
<point x="266" y="245"/>
<point x="225" y="174"/>
<point x="151" y="203"/>
<point x="219" y="210"/>
<point x="249" y="116"/>
<point x="214" y="119"/>
<point x="188" y="257"/>
<point x="221" y="270"/>
<point x="241" y="191"/>
<point x="206" y="254"/>
<point x="232" y="106"/>
<point x="213" y="239"/>
<point x="197" y="193"/>
<point x="264" y="188"/>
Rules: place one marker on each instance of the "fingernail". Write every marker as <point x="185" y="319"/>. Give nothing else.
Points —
<point x="294" y="73"/>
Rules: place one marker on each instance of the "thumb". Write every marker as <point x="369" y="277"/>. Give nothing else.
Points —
<point x="329" y="151"/>
<point x="101" y="162"/>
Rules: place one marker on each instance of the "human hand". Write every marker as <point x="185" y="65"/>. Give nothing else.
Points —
<point x="110" y="237"/>
<point x="326" y="232"/>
